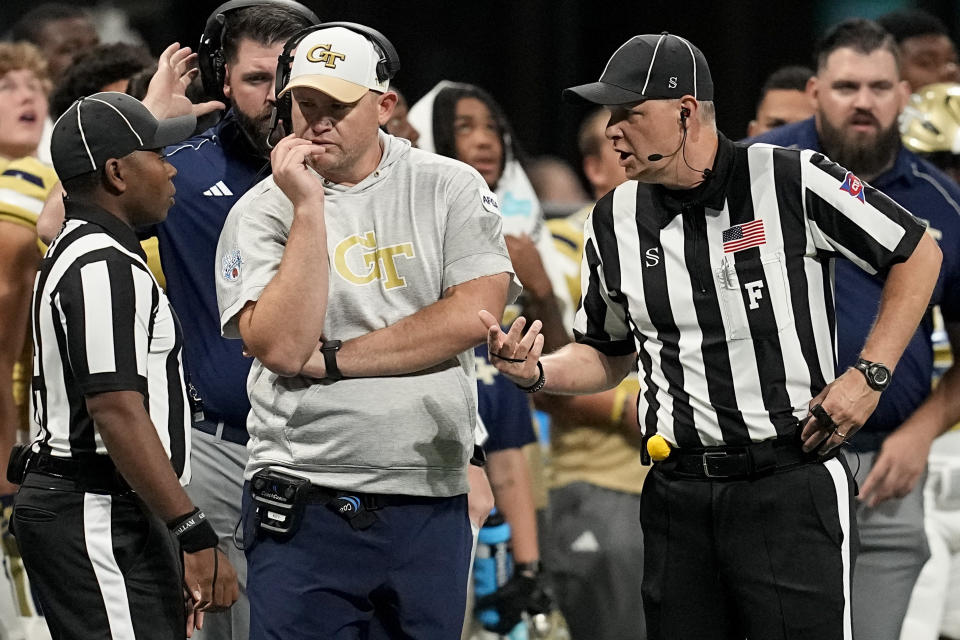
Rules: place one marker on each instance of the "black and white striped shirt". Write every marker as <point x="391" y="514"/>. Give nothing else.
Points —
<point x="725" y="291"/>
<point x="101" y="323"/>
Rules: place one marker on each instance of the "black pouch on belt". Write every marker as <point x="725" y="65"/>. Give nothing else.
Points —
<point x="279" y="499"/>
<point x="17" y="465"/>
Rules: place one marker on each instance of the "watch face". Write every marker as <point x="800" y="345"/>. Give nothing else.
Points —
<point x="879" y="375"/>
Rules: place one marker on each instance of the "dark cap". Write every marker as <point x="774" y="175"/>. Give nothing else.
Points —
<point x="649" y="67"/>
<point x="109" y="125"/>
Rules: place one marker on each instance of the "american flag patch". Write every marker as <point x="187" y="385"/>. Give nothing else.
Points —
<point x="744" y="236"/>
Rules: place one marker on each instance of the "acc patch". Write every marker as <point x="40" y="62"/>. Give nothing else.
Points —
<point x="489" y="202"/>
<point x="853" y="186"/>
<point x="231" y="266"/>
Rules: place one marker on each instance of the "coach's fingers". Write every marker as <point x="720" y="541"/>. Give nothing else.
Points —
<point x="167" y="54"/>
<point x="178" y="60"/>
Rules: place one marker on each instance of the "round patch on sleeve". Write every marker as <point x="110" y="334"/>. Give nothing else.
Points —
<point x="489" y="201"/>
<point x="232" y="262"/>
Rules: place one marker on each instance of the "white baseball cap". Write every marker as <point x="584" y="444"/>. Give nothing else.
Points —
<point x="337" y="61"/>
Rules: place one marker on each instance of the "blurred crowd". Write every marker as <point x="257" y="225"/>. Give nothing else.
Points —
<point x="565" y="472"/>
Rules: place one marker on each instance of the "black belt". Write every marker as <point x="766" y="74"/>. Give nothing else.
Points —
<point x="222" y="430"/>
<point x="91" y="473"/>
<point x="738" y="462"/>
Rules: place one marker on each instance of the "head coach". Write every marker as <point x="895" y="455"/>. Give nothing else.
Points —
<point x="712" y="266"/>
<point x="101" y="517"/>
<point x="353" y="275"/>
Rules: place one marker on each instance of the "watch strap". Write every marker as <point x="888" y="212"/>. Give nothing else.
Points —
<point x="329" y="351"/>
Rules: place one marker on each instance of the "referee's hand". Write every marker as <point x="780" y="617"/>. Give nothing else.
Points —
<point x="514" y="354"/>
<point x="210" y="579"/>
<point x="846" y="404"/>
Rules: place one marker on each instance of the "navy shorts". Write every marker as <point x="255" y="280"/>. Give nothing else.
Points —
<point x="403" y="577"/>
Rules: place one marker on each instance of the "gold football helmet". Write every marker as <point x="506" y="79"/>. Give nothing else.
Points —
<point x="930" y="123"/>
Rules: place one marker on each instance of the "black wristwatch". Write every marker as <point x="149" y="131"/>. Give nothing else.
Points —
<point x="329" y="351"/>
<point x="878" y="375"/>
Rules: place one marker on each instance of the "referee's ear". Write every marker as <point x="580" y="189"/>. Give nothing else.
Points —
<point x="113" y="177"/>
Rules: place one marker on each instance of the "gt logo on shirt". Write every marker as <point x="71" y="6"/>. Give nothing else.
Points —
<point x="380" y="263"/>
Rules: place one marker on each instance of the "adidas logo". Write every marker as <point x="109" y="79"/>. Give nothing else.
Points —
<point x="218" y="189"/>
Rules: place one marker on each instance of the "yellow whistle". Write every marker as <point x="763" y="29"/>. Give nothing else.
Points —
<point x="658" y="448"/>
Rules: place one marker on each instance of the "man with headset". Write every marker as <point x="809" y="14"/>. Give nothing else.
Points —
<point x="237" y="58"/>
<point x="353" y="275"/>
<point x="712" y="267"/>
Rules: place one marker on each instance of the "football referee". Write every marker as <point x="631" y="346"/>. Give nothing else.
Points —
<point x="713" y="267"/>
<point x="101" y="517"/>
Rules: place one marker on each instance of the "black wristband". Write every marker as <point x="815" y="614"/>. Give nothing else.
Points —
<point x="536" y="386"/>
<point x="193" y="531"/>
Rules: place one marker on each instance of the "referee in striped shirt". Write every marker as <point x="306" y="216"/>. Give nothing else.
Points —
<point x="713" y="267"/>
<point x="101" y="516"/>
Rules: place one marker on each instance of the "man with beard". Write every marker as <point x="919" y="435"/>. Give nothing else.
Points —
<point x="214" y="170"/>
<point x="859" y="93"/>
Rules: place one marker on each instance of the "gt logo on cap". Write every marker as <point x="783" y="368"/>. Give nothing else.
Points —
<point x="326" y="56"/>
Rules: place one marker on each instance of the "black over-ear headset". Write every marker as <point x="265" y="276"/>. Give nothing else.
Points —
<point x="210" y="57"/>
<point x="387" y="68"/>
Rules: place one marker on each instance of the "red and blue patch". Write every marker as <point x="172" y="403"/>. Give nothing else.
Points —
<point x="853" y="186"/>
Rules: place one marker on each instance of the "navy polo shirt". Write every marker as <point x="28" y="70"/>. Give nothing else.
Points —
<point x="213" y="170"/>
<point x="932" y="196"/>
<point x="504" y="408"/>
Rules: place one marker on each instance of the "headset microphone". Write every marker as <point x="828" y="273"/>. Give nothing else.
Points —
<point x="656" y="157"/>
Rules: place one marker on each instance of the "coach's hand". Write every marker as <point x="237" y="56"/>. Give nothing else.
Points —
<point x="289" y="162"/>
<point x="899" y="464"/>
<point x="846" y="403"/>
<point x="514" y="354"/>
<point x="211" y="579"/>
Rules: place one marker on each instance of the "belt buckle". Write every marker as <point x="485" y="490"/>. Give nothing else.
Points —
<point x="712" y="455"/>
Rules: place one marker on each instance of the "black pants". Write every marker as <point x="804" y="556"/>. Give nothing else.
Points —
<point x="102" y="565"/>
<point x="769" y="558"/>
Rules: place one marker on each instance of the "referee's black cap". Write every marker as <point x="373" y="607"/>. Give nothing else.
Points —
<point x="110" y="125"/>
<point x="649" y="67"/>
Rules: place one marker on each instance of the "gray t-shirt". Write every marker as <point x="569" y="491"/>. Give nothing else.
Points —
<point x="396" y="241"/>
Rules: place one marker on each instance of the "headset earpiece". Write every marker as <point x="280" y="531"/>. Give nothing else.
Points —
<point x="210" y="58"/>
<point x="684" y="113"/>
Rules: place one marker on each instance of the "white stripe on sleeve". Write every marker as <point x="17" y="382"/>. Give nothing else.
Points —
<point x="98" y="317"/>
